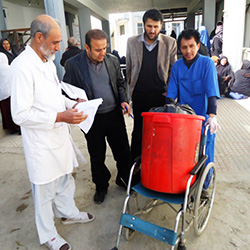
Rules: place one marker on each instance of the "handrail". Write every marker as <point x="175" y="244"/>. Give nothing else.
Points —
<point x="16" y="37"/>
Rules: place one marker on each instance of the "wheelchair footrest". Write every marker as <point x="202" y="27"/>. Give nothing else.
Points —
<point x="150" y="229"/>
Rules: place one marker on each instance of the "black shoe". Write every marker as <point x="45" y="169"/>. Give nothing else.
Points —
<point x="99" y="196"/>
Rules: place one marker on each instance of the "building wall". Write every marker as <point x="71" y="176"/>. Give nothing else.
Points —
<point x="246" y="45"/>
<point x="19" y="16"/>
<point x="130" y="22"/>
<point x="247" y="27"/>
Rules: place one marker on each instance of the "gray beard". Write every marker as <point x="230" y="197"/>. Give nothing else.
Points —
<point x="47" y="53"/>
<point x="51" y="57"/>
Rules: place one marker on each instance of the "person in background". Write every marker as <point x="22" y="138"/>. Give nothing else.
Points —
<point x="241" y="82"/>
<point x="203" y="50"/>
<point x="116" y="53"/>
<point x="173" y="34"/>
<point x="4" y="69"/>
<point x="71" y="50"/>
<point x="99" y="74"/>
<point x="6" y="48"/>
<point x="193" y="82"/>
<point x="217" y="41"/>
<point x="122" y="61"/>
<point x="204" y="37"/>
<point x="216" y="60"/>
<point x="216" y="63"/>
<point x="150" y="57"/>
<point x="44" y="114"/>
<point x="5" y="96"/>
<point x="225" y="74"/>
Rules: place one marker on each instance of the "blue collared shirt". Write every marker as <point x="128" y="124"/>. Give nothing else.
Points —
<point x="151" y="46"/>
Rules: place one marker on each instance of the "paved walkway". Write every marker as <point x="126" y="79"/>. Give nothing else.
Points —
<point x="228" y="228"/>
<point x="232" y="148"/>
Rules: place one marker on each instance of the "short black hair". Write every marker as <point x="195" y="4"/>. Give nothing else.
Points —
<point x="95" y="34"/>
<point x="188" y="34"/>
<point x="153" y="14"/>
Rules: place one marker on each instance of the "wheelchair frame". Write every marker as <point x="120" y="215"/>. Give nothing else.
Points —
<point x="195" y="201"/>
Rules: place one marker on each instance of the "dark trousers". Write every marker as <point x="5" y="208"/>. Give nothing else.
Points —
<point x="110" y="126"/>
<point x="142" y="103"/>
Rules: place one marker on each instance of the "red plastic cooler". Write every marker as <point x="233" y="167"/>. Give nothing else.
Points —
<point x="170" y="149"/>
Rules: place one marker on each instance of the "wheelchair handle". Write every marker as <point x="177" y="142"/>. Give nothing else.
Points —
<point x="204" y="145"/>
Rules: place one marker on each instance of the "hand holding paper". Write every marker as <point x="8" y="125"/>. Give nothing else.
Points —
<point x="87" y="107"/>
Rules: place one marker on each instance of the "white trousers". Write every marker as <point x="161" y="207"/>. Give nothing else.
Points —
<point x="53" y="199"/>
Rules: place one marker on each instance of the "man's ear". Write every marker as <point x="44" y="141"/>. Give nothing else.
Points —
<point x="199" y="45"/>
<point x="39" y="38"/>
<point x="86" y="47"/>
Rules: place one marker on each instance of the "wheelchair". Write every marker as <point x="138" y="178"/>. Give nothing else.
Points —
<point x="193" y="206"/>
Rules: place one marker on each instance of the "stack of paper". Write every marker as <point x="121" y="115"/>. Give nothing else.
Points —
<point x="88" y="107"/>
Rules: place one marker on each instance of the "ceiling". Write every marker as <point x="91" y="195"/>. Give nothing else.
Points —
<point x="120" y="6"/>
<point x="116" y="6"/>
<point x="28" y="3"/>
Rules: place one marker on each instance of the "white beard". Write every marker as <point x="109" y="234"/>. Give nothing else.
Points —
<point x="47" y="53"/>
<point x="52" y="57"/>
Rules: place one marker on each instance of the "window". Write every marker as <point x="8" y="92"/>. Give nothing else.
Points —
<point x="139" y="28"/>
<point x="122" y="29"/>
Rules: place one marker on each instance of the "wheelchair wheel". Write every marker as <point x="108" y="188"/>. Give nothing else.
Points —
<point x="204" y="200"/>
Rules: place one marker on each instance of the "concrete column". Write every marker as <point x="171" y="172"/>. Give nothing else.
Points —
<point x="190" y="21"/>
<point x="247" y="29"/>
<point x="2" y="20"/>
<point x="208" y="17"/>
<point x="233" y="32"/>
<point x="105" y="27"/>
<point x="84" y="23"/>
<point x="55" y="9"/>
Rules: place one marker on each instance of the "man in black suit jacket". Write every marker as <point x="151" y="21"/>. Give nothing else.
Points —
<point x="99" y="74"/>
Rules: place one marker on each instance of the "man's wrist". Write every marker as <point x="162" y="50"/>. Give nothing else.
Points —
<point x="59" y="117"/>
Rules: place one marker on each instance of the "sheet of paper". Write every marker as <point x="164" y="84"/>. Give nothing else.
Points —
<point x="89" y="108"/>
<point x="73" y="92"/>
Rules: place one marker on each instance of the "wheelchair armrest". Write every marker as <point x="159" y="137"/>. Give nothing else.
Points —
<point x="197" y="167"/>
<point x="138" y="160"/>
<point x="133" y="176"/>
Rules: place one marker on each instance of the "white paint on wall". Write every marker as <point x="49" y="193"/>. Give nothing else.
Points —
<point x="19" y="17"/>
<point x="95" y="23"/>
<point x="130" y="22"/>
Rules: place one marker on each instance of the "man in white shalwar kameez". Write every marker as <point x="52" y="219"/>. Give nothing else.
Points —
<point x="44" y="115"/>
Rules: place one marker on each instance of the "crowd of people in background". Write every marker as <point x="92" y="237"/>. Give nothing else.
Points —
<point x="236" y="86"/>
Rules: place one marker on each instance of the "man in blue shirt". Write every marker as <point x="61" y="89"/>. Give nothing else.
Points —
<point x="194" y="82"/>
